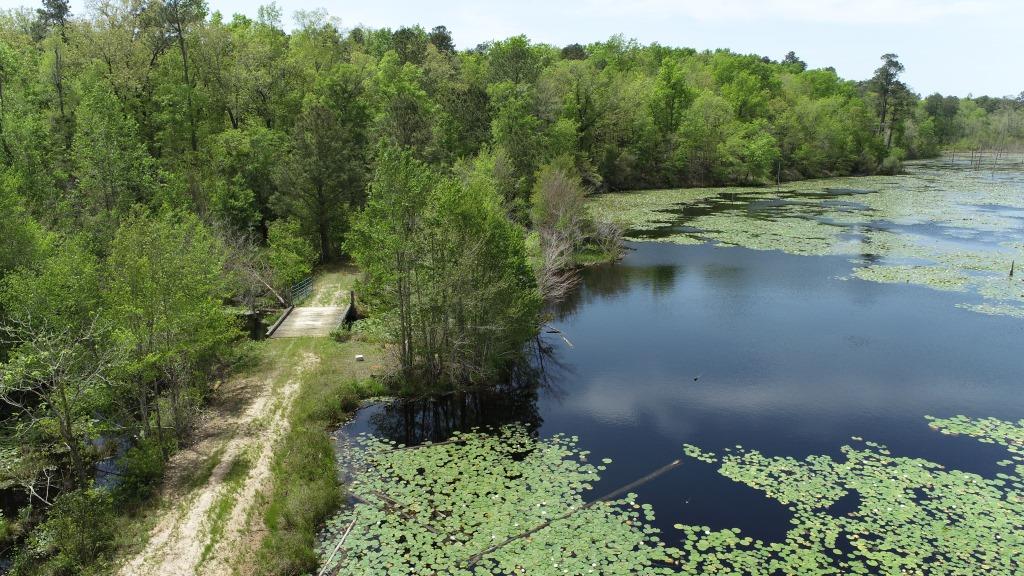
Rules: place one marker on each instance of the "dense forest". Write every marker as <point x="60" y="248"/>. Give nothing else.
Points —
<point x="165" y="170"/>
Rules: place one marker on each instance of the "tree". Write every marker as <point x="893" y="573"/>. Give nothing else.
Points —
<point x="559" y="201"/>
<point x="793" y="62"/>
<point x="165" y="287"/>
<point x="885" y="83"/>
<point x="55" y="379"/>
<point x="703" y="128"/>
<point x="23" y="238"/>
<point x="516" y="135"/>
<point x="513" y="60"/>
<point x="324" y="173"/>
<point x="942" y="110"/>
<point x="410" y="44"/>
<point x="288" y="253"/>
<point x="246" y="163"/>
<point x="178" y="17"/>
<point x="114" y="171"/>
<point x="574" y="52"/>
<point x="749" y="154"/>
<point x="55" y="13"/>
<point x="403" y="110"/>
<point x="441" y="38"/>
<point x="672" y="95"/>
<point x="447" y="266"/>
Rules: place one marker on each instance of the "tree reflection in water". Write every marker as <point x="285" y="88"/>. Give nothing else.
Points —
<point x="436" y="418"/>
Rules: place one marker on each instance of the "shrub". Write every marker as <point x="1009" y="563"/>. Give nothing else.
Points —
<point x="373" y="330"/>
<point x="893" y="163"/>
<point x="141" y="469"/>
<point x="341" y="334"/>
<point x="76" y="536"/>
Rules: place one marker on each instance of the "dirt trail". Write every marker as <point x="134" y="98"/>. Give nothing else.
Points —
<point x="208" y="526"/>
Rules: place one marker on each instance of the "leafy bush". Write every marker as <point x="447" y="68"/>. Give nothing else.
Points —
<point x="373" y="330"/>
<point x="141" y="469"/>
<point x="341" y="334"/>
<point x="10" y="529"/>
<point x="290" y="254"/>
<point x="893" y="163"/>
<point x="76" y="537"/>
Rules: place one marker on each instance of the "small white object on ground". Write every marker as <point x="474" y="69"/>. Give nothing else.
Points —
<point x="360" y="358"/>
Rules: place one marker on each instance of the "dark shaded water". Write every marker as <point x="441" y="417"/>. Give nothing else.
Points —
<point x="724" y="346"/>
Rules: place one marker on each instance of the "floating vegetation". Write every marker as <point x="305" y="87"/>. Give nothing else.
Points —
<point x="935" y="227"/>
<point x="995" y="309"/>
<point x="647" y="209"/>
<point x="436" y="509"/>
<point x="913" y="516"/>
<point x="930" y="276"/>
<point x="483" y="504"/>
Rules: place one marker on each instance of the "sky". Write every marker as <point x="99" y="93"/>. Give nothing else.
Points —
<point x="957" y="47"/>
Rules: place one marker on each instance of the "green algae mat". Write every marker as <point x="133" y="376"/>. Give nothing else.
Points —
<point x="943" y="227"/>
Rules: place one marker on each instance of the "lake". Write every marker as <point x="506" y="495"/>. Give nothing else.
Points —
<point x="784" y="321"/>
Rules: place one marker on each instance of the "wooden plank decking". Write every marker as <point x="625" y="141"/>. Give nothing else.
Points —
<point x="311" y="321"/>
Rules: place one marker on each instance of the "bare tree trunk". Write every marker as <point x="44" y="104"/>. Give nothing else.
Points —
<point x="143" y="397"/>
<point x="67" y="434"/>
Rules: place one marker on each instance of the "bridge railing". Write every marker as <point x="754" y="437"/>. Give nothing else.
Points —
<point x="301" y="290"/>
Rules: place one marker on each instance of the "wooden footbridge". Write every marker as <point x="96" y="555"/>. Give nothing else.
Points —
<point x="312" y="320"/>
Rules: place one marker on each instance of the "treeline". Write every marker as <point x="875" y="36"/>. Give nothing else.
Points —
<point x="164" y="169"/>
<point x="917" y="127"/>
<point x="238" y="121"/>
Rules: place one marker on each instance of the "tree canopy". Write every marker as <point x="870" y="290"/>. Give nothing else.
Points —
<point x="165" y="170"/>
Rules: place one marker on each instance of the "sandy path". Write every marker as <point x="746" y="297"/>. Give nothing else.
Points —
<point x="207" y="530"/>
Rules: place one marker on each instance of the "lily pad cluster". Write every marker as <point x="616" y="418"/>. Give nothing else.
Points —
<point x="910" y="516"/>
<point x="507" y="503"/>
<point x="944" y="228"/>
<point x="468" y="506"/>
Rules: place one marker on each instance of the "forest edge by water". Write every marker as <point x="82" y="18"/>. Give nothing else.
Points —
<point x="166" y="171"/>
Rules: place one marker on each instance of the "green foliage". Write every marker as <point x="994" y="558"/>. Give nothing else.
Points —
<point x="558" y="200"/>
<point x="245" y="162"/>
<point x="323" y="173"/>
<point x="62" y="292"/>
<point x="113" y="166"/>
<point x="749" y="155"/>
<point x="165" y="288"/>
<point x="289" y="254"/>
<point x="893" y="162"/>
<point x="374" y="330"/>
<point x="165" y="293"/>
<point x="24" y="239"/>
<point x="516" y="134"/>
<point x="76" y="535"/>
<point x="140" y="471"/>
<point x="444" y="261"/>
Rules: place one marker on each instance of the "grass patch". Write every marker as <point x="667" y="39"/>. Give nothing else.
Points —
<point x="331" y="285"/>
<point x="221" y="509"/>
<point x="304" y="486"/>
<point x="590" y="255"/>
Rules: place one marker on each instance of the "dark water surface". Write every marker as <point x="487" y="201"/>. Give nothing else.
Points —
<point x="724" y="346"/>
